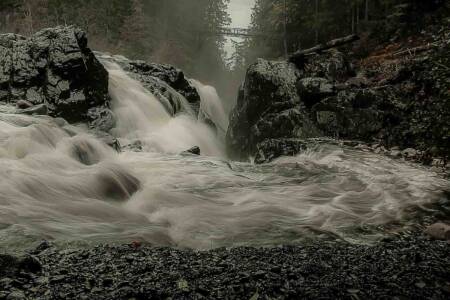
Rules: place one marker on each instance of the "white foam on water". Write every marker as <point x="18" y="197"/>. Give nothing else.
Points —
<point x="60" y="182"/>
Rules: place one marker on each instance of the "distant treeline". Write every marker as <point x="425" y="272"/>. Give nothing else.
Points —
<point x="309" y="22"/>
<point x="167" y="31"/>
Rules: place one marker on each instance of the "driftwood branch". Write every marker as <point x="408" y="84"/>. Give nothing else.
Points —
<point x="413" y="51"/>
<point x="301" y="54"/>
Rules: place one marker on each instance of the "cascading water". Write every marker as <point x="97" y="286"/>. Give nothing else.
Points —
<point x="59" y="182"/>
<point x="142" y="117"/>
<point x="211" y="107"/>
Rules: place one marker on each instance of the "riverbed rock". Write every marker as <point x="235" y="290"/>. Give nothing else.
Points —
<point x="12" y="265"/>
<point x="273" y="148"/>
<point x="54" y="67"/>
<point x="40" y="109"/>
<point x="23" y="104"/>
<point x="192" y="151"/>
<point x="439" y="231"/>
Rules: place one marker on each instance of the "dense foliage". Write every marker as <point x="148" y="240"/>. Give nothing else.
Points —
<point x="169" y="31"/>
<point x="309" y="22"/>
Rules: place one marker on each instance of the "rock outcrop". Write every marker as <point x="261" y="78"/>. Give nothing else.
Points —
<point x="268" y="107"/>
<point x="397" y="99"/>
<point x="166" y="82"/>
<point x="55" y="69"/>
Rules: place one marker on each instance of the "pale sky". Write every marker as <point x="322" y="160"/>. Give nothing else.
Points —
<point x="241" y="14"/>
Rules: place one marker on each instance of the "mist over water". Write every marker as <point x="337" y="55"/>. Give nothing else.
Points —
<point x="61" y="183"/>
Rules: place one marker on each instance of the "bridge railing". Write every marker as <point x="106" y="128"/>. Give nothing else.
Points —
<point x="240" y="32"/>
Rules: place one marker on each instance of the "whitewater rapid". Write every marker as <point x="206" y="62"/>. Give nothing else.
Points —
<point x="59" y="182"/>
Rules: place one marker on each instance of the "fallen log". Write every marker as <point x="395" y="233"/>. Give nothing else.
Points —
<point x="299" y="56"/>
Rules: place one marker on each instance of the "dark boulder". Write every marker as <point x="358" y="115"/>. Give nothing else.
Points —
<point x="23" y="104"/>
<point x="101" y="119"/>
<point x="268" y="107"/>
<point x="53" y="67"/>
<point x="274" y="148"/>
<point x="313" y="89"/>
<point x="12" y="265"/>
<point x="350" y="114"/>
<point x="332" y="65"/>
<point x="193" y="151"/>
<point x="40" y="109"/>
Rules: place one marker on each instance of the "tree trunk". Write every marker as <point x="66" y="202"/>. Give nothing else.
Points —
<point x="366" y="15"/>
<point x="352" y="13"/>
<point x="357" y="16"/>
<point x="317" y="21"/>
<point x="285" y="29"/>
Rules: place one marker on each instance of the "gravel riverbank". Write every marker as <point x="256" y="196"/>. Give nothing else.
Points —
<point x="408" y="267"/>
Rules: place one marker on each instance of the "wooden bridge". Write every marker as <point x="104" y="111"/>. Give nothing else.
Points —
<point x="239" y="32"/>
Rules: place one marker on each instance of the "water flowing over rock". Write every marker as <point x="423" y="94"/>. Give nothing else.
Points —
<point x="401" y="102"/>
<point x="62" y="181"/>
<point x="165" y="82"/>
<point x="55" y="68"/>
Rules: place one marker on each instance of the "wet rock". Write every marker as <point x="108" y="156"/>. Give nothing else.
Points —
<point x="117" y="184"/>
<point x="169" y="74"/>
<point x="11" y="265"/>
<point x="194" y="150"/>
<point x="55" y="68"/>
<point x="85" y="152"/>
<point x="135" y="146"/>
<point x="312" y="90"/>
<point x="165" y="82"/>
<point x="16" y="295"/>
<point x="332" y="65"/>
<point x="109" y="140"/>
<point x="409" y="153"/>
<point x="268" y="107"/>
<point x="395" y="153"/>
<point x="273" y="148"/>
<point x="363" y="147"/>
<point x="23" y="104"/>
<point x="43" y="245"/>
<point x="40" y="109"/>
<point x="101" y="119"/>
<point x="439" y="231"/>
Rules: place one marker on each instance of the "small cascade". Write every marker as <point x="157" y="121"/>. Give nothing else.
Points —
<point x="143" y="118"/>
<point x="211" y="107"/>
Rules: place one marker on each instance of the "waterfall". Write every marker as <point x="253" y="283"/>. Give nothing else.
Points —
<point x="211" y="106"/>
<point x="142" y="117"/>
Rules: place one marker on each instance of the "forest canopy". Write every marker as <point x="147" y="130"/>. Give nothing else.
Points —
<point x="305" y="23"/>
<point x="169" y="31"/>
<point x="181" y="33"/>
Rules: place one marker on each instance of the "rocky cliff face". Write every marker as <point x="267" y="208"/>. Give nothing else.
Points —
<point x="55" y="69"/>
<point x="393" y="98"/>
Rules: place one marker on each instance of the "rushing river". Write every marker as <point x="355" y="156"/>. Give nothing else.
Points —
<point x="59" y="182"/>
